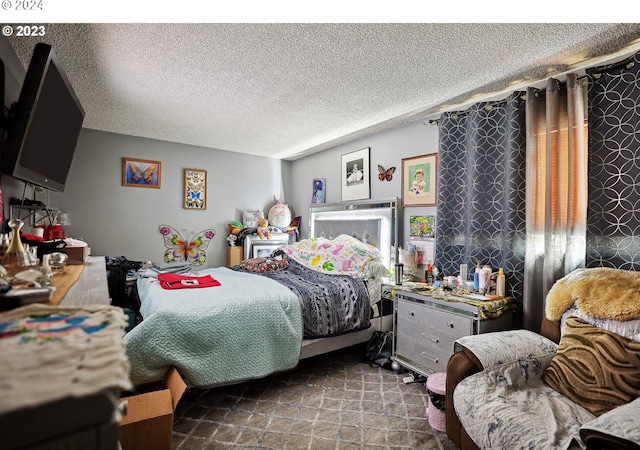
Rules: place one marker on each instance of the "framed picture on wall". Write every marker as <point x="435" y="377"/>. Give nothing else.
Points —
<point x="141" y="173"/>
<point x="355" y="175"/>
<point x="319" y="190"/>
<point x="419" y="175"/>
<point x="195" y="189"/>
<point x="263" y="250"/>
<point x="422" y="226"/>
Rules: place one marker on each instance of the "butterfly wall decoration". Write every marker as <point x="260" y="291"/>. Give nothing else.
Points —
<point x="385" y="174"/>
<point x="189" y="249"/>
<point x="195" y="189"/>
<point x="141" y="173"/>
<point x="144" y="174"/>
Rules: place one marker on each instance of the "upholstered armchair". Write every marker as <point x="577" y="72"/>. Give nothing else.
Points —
<point x="573" y="385"/>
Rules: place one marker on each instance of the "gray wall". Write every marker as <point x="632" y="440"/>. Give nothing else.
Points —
<point x="120" y="220"/>
<point x="386" y="149"/>
<point x="117" y="220"/>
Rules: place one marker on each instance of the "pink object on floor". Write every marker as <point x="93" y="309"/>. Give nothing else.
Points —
<point x="437" y="384"/>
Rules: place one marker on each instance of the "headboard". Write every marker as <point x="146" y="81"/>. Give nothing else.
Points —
<point x="372" y="221"/>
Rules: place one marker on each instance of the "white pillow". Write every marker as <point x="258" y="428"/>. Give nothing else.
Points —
<point x="250" y="218"/>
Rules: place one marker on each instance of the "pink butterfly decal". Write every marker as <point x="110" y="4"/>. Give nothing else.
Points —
<point x="191" y="249"/>
<point x="385" y="174"/>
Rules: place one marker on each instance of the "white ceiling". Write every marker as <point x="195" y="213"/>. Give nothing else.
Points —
<point x="289" y="90"/>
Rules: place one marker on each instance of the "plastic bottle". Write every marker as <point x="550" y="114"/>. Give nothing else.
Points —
<point x="476" y="276"/>
<point x="463" y="273"/>
<point x="483" y="279"/>
<point x="500" y="283"/>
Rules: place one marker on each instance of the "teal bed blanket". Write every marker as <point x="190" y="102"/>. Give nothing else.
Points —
<point x="248" y="327"/>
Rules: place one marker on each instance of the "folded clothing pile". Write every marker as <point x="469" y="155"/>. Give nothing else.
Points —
<point x="49" y="353"/>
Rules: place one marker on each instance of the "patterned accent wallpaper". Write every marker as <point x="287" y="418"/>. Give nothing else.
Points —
<point x="481" y="190"/>
<point x="613" y="211"/>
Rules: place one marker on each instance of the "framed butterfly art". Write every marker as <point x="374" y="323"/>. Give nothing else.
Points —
<point x="195" y="189"/>
<point x="185" y="249"/>
<point x="141" y="173"/>
<point x="385" y="174"/>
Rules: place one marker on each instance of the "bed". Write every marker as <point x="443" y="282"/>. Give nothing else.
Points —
<point x="264" y="315"/>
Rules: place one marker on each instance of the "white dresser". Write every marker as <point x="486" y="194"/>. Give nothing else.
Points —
<point x="425" y="329"/>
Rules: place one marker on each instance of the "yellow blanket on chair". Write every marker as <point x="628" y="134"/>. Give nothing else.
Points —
<point x="602" y="293"/>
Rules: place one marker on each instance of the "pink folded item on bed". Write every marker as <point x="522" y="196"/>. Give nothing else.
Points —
<point x="175" y="281"/>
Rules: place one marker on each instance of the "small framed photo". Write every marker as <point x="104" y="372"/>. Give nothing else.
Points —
<point x="263" y="250"/>
<point x="356" y="175"/>
<point x="422" y="226"/>
<point x="195" y="189"/>
<point x="319" y="190"/>
<point x="141" y="173"/>
<point x="419" y="175"/>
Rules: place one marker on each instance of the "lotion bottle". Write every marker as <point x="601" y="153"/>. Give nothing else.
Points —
<point x="483" y="277"/>
<point x="487" y="277"/>
<point x="500" y="283"/>
<point x="476" y="276"/>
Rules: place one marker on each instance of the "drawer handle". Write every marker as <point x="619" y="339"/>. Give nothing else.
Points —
<point x="411" y="313"/>
<point x="450" y="324"/>
<point x="430" y="358"/>
<point x="434" y="339"/>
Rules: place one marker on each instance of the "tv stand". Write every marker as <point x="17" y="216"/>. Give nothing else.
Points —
<point x="29" y="211"/>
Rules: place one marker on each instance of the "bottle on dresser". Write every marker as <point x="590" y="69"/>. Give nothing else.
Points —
<point x="483" y="277"/>
<point x="500" y="283"/>
<point x="476" y="276"/>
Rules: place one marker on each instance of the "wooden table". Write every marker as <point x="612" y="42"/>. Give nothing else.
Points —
<point x="82" y="284"/>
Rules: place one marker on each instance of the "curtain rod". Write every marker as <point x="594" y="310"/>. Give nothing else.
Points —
<point x="489" y="106"/>
<point x="596" y="72"/>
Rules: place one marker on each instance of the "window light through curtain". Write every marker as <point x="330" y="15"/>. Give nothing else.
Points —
<point x="556" y="190"/>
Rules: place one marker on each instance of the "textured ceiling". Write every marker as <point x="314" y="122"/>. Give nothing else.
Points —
<point x="288" y="90"/>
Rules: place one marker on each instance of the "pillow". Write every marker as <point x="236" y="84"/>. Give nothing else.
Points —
<point x="619" y="429"/>
<point x="250" y="218"/>
<point x="344" y="255"/>
<point x="595" y="368"/>
<point x="263" y="265"/>
<point x="375" y="269"/>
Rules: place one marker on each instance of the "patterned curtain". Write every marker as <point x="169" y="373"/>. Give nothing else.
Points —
<point x="613" y="213"/>
<point x="481" y="190"/>
<point x="556" y="190"/>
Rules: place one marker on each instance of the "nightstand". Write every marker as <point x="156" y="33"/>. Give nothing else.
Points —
<point x="234" y="255"/>
<point x="427" y="323"/>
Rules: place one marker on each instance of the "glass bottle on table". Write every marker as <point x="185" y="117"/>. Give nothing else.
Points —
<point x="15" y="259"/>
<point x="4" y="244"/>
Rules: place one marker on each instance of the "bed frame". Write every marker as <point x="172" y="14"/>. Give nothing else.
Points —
<point x="376" y="222"/>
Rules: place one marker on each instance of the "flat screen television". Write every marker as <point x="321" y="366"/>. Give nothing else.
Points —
<point x="43" y="125"/>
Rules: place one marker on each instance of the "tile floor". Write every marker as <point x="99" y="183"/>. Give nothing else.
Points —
<point x="331" y="401"/>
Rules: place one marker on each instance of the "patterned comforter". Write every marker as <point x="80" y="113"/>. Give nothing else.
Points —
<point x="331" y="304"/>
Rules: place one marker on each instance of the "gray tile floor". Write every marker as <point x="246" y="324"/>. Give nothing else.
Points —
<point x="331" y="401"/>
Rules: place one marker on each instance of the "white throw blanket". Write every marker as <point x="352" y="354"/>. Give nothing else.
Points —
<point x="248" y="327"/>
<point x="507" y="405"/>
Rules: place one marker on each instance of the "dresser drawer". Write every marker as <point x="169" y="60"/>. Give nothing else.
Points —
<point x="419" y="319"/>
<point x="426" y="357"/>
<point x="425" y="334"/>
<point x="449" y="324"/>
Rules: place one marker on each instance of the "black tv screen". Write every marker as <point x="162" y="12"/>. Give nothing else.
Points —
<point x="44" y="125"/>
